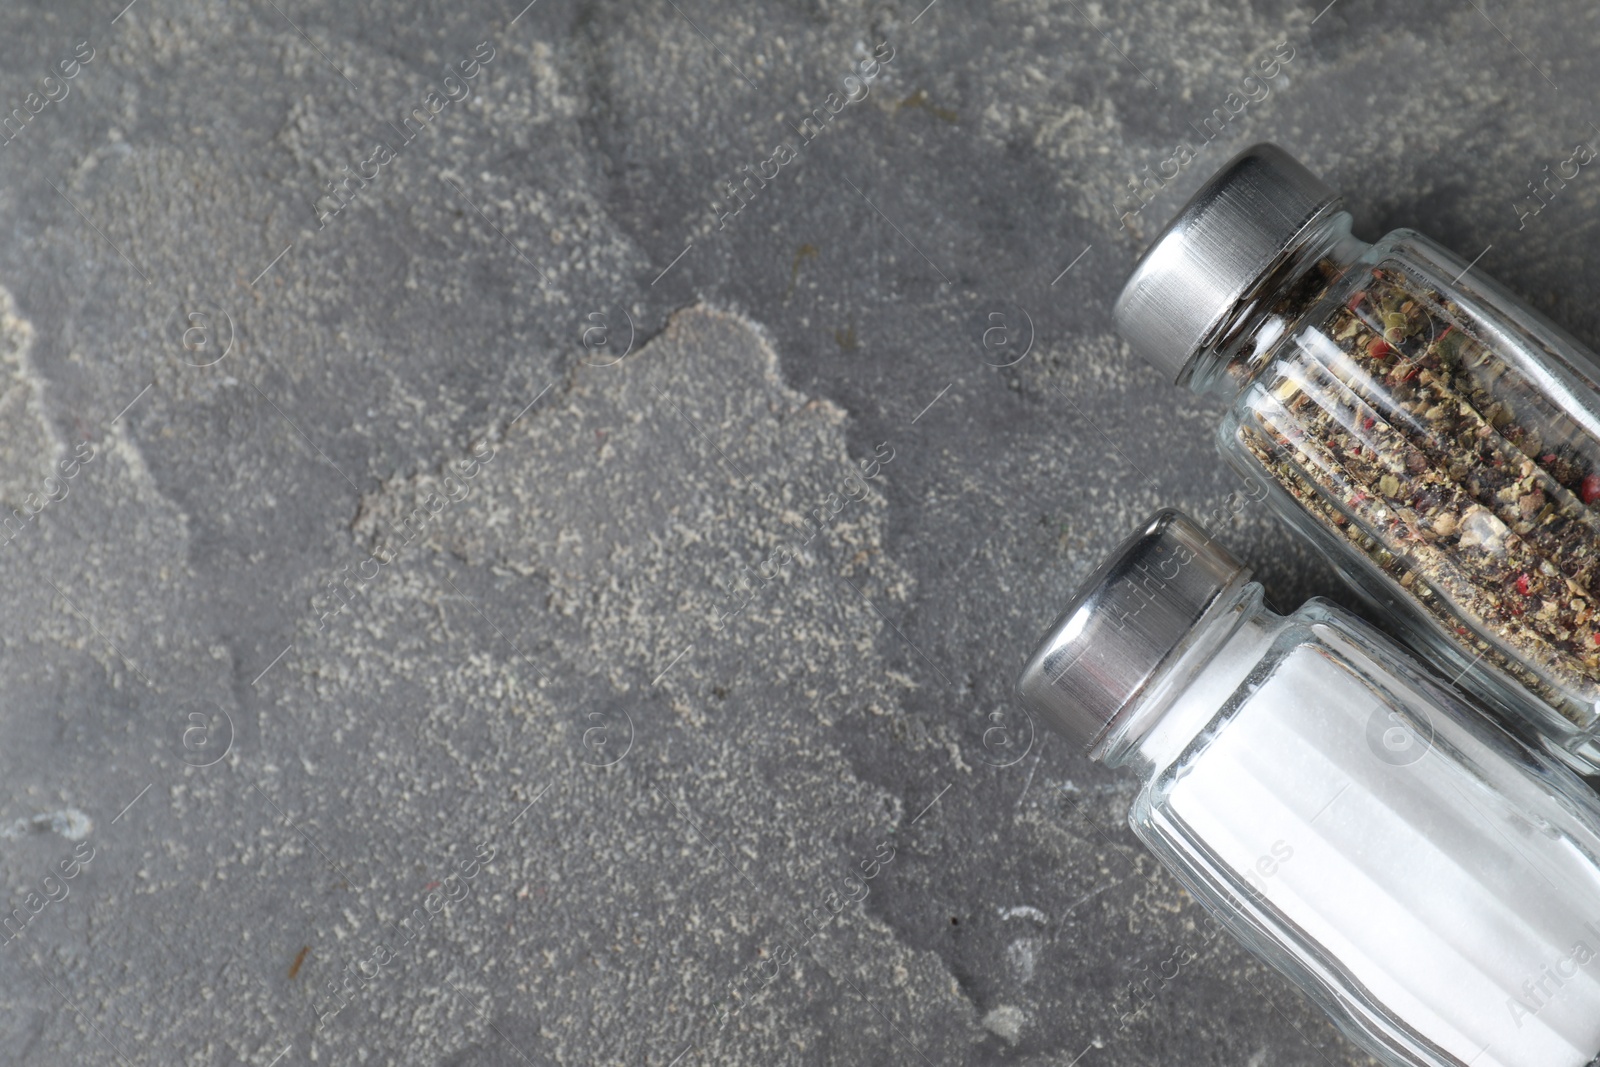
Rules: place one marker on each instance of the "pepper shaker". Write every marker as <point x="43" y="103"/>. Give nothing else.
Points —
<point x="1432" y="882"/>
<point x="1439" y="440"/>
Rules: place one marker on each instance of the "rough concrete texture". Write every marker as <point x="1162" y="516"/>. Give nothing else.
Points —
<point x="374" y="671"/>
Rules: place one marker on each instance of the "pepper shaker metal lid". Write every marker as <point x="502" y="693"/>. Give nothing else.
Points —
<point x="1243" y="223"/>
<point x="1126" y="620"/>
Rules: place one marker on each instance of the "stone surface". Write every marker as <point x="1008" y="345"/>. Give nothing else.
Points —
<point x="379" y="651"/>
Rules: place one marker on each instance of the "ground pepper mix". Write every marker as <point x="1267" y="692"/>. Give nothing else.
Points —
<point x="1399" y="428"/>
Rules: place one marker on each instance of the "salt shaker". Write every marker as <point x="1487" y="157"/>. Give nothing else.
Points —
<point x="1437" y="438"/>
<point x="1431" y="881"/>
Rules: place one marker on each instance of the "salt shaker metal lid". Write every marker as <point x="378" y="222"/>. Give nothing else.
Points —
<point x="1245" y="221"/>
<point x="1126" y="620"/>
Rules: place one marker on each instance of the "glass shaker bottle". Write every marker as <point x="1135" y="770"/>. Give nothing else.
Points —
<point x="1432" y="882"/>
<point x="1437" y="438"/>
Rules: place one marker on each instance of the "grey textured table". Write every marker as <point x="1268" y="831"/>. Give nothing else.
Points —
<point x="375" y="672"/>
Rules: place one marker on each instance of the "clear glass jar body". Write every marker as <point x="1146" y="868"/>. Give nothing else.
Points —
<point x="1430" y="881"/>
<point x="1442" y="443"/>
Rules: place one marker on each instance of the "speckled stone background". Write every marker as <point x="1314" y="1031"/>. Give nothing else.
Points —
<point x="380" y="657"/>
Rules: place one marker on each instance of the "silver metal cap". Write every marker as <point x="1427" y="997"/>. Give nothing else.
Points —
<point x="1241" y="224"/>
<point x="1131" y="615"/>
